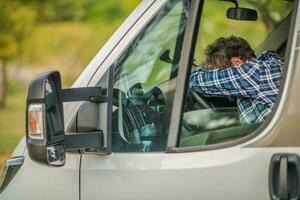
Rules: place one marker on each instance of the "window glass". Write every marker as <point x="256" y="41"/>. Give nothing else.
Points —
<point x="230" y="100"/>
<point x="144" y="82"/>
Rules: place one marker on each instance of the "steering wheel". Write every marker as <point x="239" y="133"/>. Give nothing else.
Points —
<point x="213" y="102"/>
<point x="200" y="100"/>
<point x="139" y="117"/>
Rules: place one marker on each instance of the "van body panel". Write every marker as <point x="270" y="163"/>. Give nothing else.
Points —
<point x="39" y="181"/>
<point x="232" y="173"/>
<point x="20" y="148"/>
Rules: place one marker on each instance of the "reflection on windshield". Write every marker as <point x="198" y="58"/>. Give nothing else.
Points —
<point x="143" y="65"/>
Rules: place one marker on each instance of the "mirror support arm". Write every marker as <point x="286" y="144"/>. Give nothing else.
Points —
<point x="74" y="141"/>
<point x="91" y="94"/>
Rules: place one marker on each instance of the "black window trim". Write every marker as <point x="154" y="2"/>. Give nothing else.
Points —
<point x="183" y="75"/>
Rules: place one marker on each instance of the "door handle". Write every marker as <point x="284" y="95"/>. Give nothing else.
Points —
<point x="284" y="177"/>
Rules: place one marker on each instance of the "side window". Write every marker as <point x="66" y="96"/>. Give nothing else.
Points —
<point x="232" y="90"/>
<point x="144" y="82"/>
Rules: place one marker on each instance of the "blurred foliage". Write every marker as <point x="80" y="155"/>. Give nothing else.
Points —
<point x="40" y="35"/>
<point x="75" y="10"/>
<point x="19" y="18"/>
<point x="69" y="33"/>
<point x="16" y="23"/>
<point x="271" y="11"/>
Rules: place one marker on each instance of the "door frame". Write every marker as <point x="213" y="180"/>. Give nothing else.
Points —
<point x="185" y="63"/>
<point x="265" y="130"/>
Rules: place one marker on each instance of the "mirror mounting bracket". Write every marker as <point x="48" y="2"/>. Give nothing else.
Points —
<point x="75" y="141"/>
<point x="91" y="94"/>
<point x="233" y="1"/>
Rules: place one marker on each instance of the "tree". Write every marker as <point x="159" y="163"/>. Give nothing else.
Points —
<point x="16" y="22"/>
<point x="271" y="11"/>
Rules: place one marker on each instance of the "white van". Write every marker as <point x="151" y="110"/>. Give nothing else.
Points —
<point x="130" y="127"/>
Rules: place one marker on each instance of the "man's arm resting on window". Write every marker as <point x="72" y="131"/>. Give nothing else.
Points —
<point x="240" y="81"/>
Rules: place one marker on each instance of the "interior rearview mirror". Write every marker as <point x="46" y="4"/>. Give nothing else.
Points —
<point x="242" y="14"/>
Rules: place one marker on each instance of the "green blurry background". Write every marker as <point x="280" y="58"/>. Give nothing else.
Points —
<point x="41" y="35"/>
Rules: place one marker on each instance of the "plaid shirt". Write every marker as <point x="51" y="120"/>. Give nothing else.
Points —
<point x="255" y="85"/>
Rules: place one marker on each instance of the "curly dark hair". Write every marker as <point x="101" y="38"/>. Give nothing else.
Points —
<point x="219" y="53"/>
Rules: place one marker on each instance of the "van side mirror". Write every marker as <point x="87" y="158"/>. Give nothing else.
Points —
<point x="44" y="117"/>
<point x="242" y="14"/>
<point x="45" y="133"/>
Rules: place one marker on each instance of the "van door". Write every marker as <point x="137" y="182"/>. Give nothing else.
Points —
<point x="144" y="86"/>
<point x="223" y="162"/>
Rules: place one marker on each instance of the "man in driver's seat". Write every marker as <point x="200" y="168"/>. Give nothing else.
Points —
<point x="233" y="70"/>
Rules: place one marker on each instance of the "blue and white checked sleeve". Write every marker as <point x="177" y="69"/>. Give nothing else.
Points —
<point x="240" y="81"/>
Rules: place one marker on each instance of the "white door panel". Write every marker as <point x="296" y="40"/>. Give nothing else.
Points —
<point x="36" y="181"/>
<point x="235" y="173"/>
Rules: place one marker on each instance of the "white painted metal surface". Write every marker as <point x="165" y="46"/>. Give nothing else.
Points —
<point x="37" y="181"/>
<point x="233" y="173"/>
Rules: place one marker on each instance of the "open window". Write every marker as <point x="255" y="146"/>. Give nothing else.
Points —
<point x="215" y="120"/>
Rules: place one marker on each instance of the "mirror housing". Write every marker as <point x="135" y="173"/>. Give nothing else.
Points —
<point x="242" y="14"/>
<point x="44" y="119"/>
<point x="45" y="132"/>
